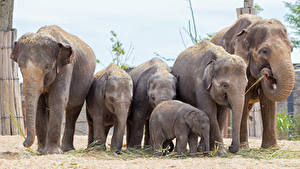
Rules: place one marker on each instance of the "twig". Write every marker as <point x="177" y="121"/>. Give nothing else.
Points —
<point x="258" y="80"/>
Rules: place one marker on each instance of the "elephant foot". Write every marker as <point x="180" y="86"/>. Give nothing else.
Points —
<point x="66" y="148"/>
<point x="201" y="148"/>
<point x="40" y="150"/>
<point x="52" y="150"/>
<point x="244" y="145"/>
<point x="221" y="152"/>
<point x="269" y="145"/>
<point x="193" y="154"/>
<point x="157" y="153"/>
<point x="234" y="148"/>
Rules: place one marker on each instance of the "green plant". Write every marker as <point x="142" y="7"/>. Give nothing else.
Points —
<point x="191" y="30"/>
<point x="119" y="55"/>
<point x="258" y="8"/>
<point x="293" y="18"/>
<point x="286" y="126"/>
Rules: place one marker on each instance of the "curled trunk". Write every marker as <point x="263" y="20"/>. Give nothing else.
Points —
<point x="285" y="78"/>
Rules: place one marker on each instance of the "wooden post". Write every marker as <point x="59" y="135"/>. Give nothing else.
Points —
<point x="248" y="8"/>
<point x="9" y="80"/>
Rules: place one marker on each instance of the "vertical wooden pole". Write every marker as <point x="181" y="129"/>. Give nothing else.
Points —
<point x="9" y="80"/>
<point x="247" y="9"/>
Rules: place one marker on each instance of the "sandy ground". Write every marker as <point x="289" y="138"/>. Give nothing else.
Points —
<point x="14" y="155"/>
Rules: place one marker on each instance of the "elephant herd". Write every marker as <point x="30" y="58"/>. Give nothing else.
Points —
<point x="153" y="101"/>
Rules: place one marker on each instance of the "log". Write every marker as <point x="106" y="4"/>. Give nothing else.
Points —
<point x="9" y="86"/>
<point x="6" y="14"/>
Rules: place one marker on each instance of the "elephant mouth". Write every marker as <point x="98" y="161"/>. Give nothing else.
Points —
<point x="269" y="79"/>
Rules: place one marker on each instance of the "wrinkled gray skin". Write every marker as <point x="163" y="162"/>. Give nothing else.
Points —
<point x="153" y="83"/>
<point x="213" y="81"/>
<point x="57" y="70"/>
<point x="108" y="104"/>
<point x="266" y="48"/>
<point x="175" y="119"/>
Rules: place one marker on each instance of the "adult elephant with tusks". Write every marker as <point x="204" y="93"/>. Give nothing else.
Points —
<point x="265" y="47"/>
<point x="212" y="80"/>
<point x="57" y="70"/>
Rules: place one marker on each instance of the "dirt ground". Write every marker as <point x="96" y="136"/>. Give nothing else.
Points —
<point x="14" y="155"/>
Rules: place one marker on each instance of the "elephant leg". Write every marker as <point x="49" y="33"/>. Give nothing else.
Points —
<point x="68" y="137"/>
<point x="136" y="129"/>
<point x="147" y="135"/>
<point x="157" y="143"/>
<point x="268" y="114"/>
<point x="193" y="140"/>
<point x="119" y="130"/>
<point x="91" y="130"/>
<point x="57" y="105"/>
<point x="244" y="124"/>
<point x="100" y="131"/>
<point x="181" y="143"/>
<point x="215" y="136"/>
<point x="41" y="123"/>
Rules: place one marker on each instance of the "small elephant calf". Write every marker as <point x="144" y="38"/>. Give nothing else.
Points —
<point x="175" y="119"/>
<point x="108" y="104"/>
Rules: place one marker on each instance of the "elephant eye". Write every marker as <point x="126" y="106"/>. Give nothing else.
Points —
<point x="224" y="85"/>
<point x="152" y="97"/>
<point x="264" y="51"/>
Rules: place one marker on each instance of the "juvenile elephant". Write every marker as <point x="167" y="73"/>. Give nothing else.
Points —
<point x="57" y="70"/>
<point x="108" y="104"/>
<point x="191" y="123"/>
<point x="212" y="80"/>
<point x="153" y="83"/>
<point x="265" y="47"/>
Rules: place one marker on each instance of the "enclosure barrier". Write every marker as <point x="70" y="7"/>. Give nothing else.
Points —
<point x="10" y="97"/>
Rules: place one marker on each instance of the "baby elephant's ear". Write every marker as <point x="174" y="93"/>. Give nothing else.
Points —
<point x="65" y="55"/>
<point x="190" y="118"/>
<point x="208" y="75"/>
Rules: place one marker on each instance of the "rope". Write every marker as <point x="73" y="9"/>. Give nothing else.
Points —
<point x="8" y="117"/>
<point x="6" y="47"/>
<point x="9" y="78"/>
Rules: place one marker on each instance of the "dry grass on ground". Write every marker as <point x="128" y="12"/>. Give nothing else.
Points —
<point x="14" y="155"/>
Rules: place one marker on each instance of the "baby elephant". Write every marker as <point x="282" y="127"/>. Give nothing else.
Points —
<point x="108" y="104"/>
<point x="153" y="83"/>
<point x="175" y="119"/>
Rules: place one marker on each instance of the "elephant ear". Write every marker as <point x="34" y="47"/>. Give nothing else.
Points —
<point x="104" y="78"/>
<point x="236" y="30"/>
<point x="15" y="52"/>
<point x="191" y="119"/>
<point x="208" y="75"/>
<point x="65" y="55"/>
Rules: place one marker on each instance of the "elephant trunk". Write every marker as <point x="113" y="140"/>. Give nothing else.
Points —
<point x="237" y="104"/>
<point x="31" y="100"/>
<point x="279" y="86"/>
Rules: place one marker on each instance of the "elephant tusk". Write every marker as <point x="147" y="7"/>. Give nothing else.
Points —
<point x="258" y="80"/>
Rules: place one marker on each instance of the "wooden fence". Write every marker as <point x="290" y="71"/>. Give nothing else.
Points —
<point x="10" y="98"/>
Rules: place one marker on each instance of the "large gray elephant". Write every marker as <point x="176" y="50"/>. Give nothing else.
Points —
<point x="191" y="123"/>
<point x="152" y="84"/>
<point x="265" y="47"/>
<point x="57" y="70"/>
<point x="108" y="105"/>
<point x="212" y="80"/>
